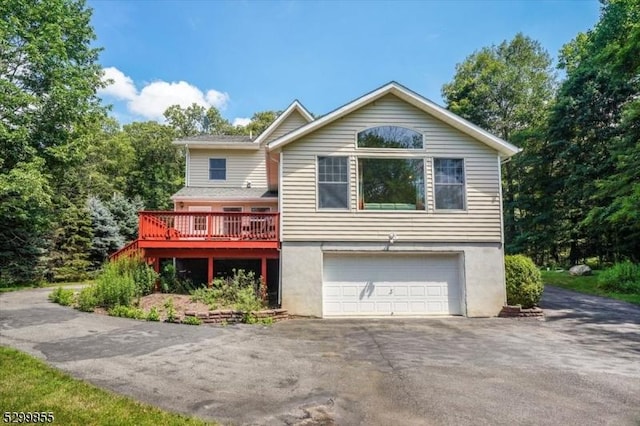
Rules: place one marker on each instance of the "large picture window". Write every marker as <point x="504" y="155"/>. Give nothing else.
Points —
<point x="333" y="183"/>
<point x="390" y="137"/>
<point x="449" y="183"/>
<point x="391" y="184"/>
<point x="217" y="168"/>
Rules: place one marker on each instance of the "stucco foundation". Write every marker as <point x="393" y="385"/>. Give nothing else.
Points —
<point x="482" y="273"/>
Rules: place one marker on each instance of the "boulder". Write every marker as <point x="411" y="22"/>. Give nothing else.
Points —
<point x="580" y="270"/>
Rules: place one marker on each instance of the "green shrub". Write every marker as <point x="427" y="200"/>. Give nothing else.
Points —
<point x="623" y="277"/>
<point x="122" y="280"/>
<point x="192" y="320"/>
<point x="170" y="282"/>
<point x="114" y="287"/>
<point x="126" y="312"/>
<point x="246" y="300"/>
<point x="62" y="296"/>
<point x="524" y="283"/>
<point x="170" y="311"/>
<point x="239" y="292"/>
<point x="153" y="314"/>
<point x="86" y="300"/>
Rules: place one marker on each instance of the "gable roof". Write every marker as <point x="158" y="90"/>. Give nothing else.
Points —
<point x="503" y="147"/>
<point x="295" y="106"/>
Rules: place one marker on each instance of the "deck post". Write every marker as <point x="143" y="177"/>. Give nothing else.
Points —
<point x="210" y="271"/>
<point x="156" y="267"/>
<point x="264" y="268"/>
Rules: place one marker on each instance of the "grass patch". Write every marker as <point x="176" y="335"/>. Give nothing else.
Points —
<point x="585" y="284"/>
<point x="30" y="385"/>
<point x="6" y="289"/>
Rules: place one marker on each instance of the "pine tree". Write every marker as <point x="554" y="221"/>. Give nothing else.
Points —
<point x="125" y="213"/>
<point x="106" y="235"/>
<point x="71" y="243"/>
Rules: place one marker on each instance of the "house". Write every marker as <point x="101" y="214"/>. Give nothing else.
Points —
<point x="388" y="205"/>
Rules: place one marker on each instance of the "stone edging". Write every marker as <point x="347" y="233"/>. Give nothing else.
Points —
<point x="230" y="316"/>
<point x="518" y="312"/>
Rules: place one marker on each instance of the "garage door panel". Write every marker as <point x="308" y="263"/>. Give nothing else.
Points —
<point x="435" y="291"/>
<point x="401" y="291"/>
<point x="418" y="291"/>
<point x="391" y="285"/>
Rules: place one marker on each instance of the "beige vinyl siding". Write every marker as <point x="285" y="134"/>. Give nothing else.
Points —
<point x="302" y="221"/>
<point x="242" y="166"/>
<point x="291" y="123"/>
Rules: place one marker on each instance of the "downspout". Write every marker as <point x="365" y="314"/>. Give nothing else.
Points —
<point x="501" y="220"/>
<point x="186" y="165"/>
<point x="280" y="233"/>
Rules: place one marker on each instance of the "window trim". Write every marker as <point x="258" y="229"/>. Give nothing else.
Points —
<point x="253" y="208"/>
<point x="425" y="192"/>
<point x="225" y="168"/>
<point x="391" y="150"/>
<point x="464" y="208"/>
<point x="317" y="179"/>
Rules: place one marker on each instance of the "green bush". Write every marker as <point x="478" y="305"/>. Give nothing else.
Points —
<point x="86" y="300"/>
<point x="153" y="314"/>
<point x="114" y="287"/>
<point x="623" y="277"/>
<point x="170" y="310"/>
<point x="127" y="312"/>
<point x="246" y="300"/>
<point x="239" y="292"/>
<point x="170" y="282"/>
<point x="122" y="280"/>
<point x="192" y="320"/>
<point x="62" y="296"/>
<point x="524" y="283"/>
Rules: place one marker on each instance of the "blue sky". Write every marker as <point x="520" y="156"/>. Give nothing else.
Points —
<point x="248" y="56"/>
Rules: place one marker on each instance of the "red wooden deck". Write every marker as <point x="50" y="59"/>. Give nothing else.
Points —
<point x="208" y="230"/>
<point x="166" y="234"/>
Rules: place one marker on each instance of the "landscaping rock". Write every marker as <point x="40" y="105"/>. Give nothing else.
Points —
<point x="580" y="270"/>
<point x="518" y="312"/>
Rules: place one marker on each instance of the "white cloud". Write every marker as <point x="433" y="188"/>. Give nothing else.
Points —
<point x="217" y="99"/>
<point x="154" y="98"/>
<point x="121" y="86"/>
<point x="241" y="121"/>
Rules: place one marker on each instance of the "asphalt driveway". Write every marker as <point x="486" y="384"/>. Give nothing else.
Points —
<point x="581" y="366"/>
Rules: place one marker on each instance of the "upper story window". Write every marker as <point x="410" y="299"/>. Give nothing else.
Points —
<point x="217" y="168"/>
<point x="449" y="183"/>
<point x="391" y="184"/>
<point x="333" y="183"/>
<point x="390" y="137"/>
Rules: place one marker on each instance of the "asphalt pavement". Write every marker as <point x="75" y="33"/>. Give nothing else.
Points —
<point x="581" y="366"/>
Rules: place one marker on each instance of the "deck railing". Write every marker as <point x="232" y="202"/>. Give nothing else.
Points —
<point x="169" y="225"/>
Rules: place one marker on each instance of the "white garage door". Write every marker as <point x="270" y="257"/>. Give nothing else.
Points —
<point x="383" y="284"/>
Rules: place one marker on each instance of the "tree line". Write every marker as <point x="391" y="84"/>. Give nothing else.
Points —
<point x="573" y="193"/>
<point x="72" y="178"/>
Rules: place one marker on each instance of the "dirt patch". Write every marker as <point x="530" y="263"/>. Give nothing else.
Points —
<point x="181" y="303"/>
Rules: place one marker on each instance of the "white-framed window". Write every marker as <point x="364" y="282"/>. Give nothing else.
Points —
<point x="333" y="182"/>
<point x="390" y="137"/>
<point x="260" y="209"/>
<point x="391" y="183"/>
<point x="449" y="183"/>
<point x="217" y="169"/>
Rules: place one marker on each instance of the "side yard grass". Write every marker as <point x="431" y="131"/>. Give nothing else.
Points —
<point x="29" y="385"/>
<point x="585" y="284"/>
<point x="6" y="289"/>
